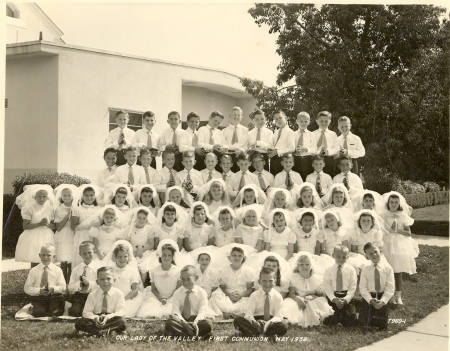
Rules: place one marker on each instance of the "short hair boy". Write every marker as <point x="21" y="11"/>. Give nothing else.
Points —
<point x="106" y="175"/>
<point x="210" y="137"/>
<point x="260" y="138"/>
<point x="151" y="175"/>
<point x="130" y="173"/>
<point x="303" y="146"/>
<point x="321" y="180"/>
<point x="121" y="137"/>
<point x="105" y="309"/>
<point x="236" y="135"/>
<point x="351" y="181"/>
<point x="325" y="141"/>
<point x="189" y="178"/>
<point x="210" y="172"/>
<point x="265" y="179"/>
<point x="189" y="140"/>
<point x="283" y="142"/>
<point x="147" y="137"/>
<point x="167" y="175"/>
<point x="45" y="285"/>
<point x="349" y="143"/>
<point x="287" y="178"/>
<point x="243" y="177"/>
<point x="170" y="138"/>
<point x="226" y="162"/>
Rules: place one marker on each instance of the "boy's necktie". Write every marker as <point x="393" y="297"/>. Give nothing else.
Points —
<point x="242" y="182"/>
<point x="318" y="184"/>
<point x="44" y="278"/>
<point x="147" y="176"/>
<point x="195" y="140"/>
<point x="262" y="184"/>
<point x="188" y="178"/>
<point x="339" y="284"/>
<point x="211" y="136"/>
<point x="171" y="178"/>
<point x="279" y="135"/>
<point x="149" y="141"/>
<point x="258" y="135"/>
<point x="83" y="275"/>
<point x="288" y="181"/>
<point x="377" y="280"/>
<point x="322" y="140"/>
<point x="105" y="303"/>
<point x="346" y="181"/>
<point x="267" y="308"/>
<point x="130" y="176"/>
<point x="234" y="140"/>
<point x="174" y="138"/>
<point x="187" y="306"/>
<point x="300" y="140"/>
<point x="209" y="177"/>
<point x="121" y="135"/>
<point x="345" y="143"/>
<point x="224" y="176"/>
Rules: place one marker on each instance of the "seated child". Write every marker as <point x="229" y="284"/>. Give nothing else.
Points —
<point x="322" y="181"/>
<point x="189" y="178"/>
<point x="338" y="199"/>
<point x="306" y="305"/>
<point x="226" y="162"/>
<point x="190" y="304"/>
<point x="179" y="196"/>
<point x="210" y="172"/>
<point x="368" y="200"/>
<point x="306" y="231"/>
<point x="105" y="309"/>
<point x="147" y="196"/>
<point x="377" y="286"/>
<point x="278" y="198"/>
<point x="350" y="180"/>
<point x="306" y="196"/>
<point x="169" y="224"/>
<point x="170" y="139"/>
<point x="279" y="238"/>
<point x="107" y="174"/>
<point x="130" y="173"/>
<point x="265" y="179"/>
<point x="331" y="233"/>
<point x="235" y="282"/>
<point x="120" y="138"/>
<point x="225" y="230"/>
<point x="243" y="177"/>
<point x="249" y="195"/>
<point x="165" y="280"/>
<point x="45" y="285"/>
<point x="167" y="174"/>
<point x="198" y="231"/>
<point x="287" y="178"/>
<point x="120" y="196"/>
<point x="207" y="277"/>
<point x="250" y="231"/>
<point x="151" y="175"/>
<point x="214" y="195"/>
<point x="147" y="137"/>
<point x="339" y="282"/>
<point x="264" y="310"/>
<point x="278" y="264"/>
<point x="83" y="279"/>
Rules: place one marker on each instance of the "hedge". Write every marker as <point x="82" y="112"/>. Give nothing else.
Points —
<point x="427" y="199"/>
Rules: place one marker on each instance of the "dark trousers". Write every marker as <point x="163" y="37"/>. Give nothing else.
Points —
<point x="175" y="328"/>
<point x="369" y="316"/>
<point x="341" y="315"/>
<point x="47" y="306"/>
<point x="247" y="328"/>
<point x="329" y="166"/>
<point x="88" y="325"/>
<point x="199" y="162"/>
<point x="303" y="165"/>
<point x="275" y="165"/>
<point x="355" y="168"/>
<point x="78" y="301"/>
<point x="178" y="166"/>
<point x="120" y="160"/>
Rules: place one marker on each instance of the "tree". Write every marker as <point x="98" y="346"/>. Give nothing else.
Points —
<point x="385" y="67"/>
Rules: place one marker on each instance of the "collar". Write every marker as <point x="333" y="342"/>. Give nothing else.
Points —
<point x="349" y="172"/>
<point x="112" y="167"/>
<point x="206" y="170"/>
<point x="317" y="173"/>
<point x="109" y="292"/>
<point x="271" y="292"/>
<point x="323" y="130"/>
<point x="167" y="169"/>
<point x="229" y="171"/>
<point x="87" y="206"/>
<point x="194" y="289"/>
<point x="191" y="130"/>
<point x="305" y="235"/>
<point x="348" y="135"/>
<point x="210" y="127"/>
<point x="132" y="166"/>
<point x="50" y="266"/>
<point x="242" y="172"/>
<point x="147" y="130"/>
<point x="90" y="264"/>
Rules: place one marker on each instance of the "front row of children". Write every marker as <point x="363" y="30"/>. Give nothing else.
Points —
<point x="262" y="309"/>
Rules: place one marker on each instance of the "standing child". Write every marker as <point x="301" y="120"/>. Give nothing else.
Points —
<point x="130" y="173"/>
<point x="167" y="174"/>
<point x="350" y="180"/>
<point x="226" y="162"/>
<point x="45" y="285"/>
<point x="170" y="139"/>
<point x="210" y="172"/>
<point x="304" y="146"/>
<point x="325" y="141"/>
<point x="339" y="282"/>
<point x="147" y="138"/>
<point x="105" y="309"/>
<point x="250" y="231"/>
<point x="236" y="136"/>
<point x="189" y="178"/>
<point x="151" y="175"/>
<point x="265" y="179"/>
<point x="283" y="142"/>
<point x="189" y="141"/>
<point x="279" y="238"/>
<point x="120" y="138"/>
<point x="349" y="143"/>
<point x="198" y="231"/>
<point x="401" y="248"/>
<point x="36" y="203"/>
<point x="377" y="286"/>
<point x="243" y="177"/>
<point x="214" y="195"/>
<point x="190" y="304"/>
<point x="83" y="279"/>
<point x="107" y="174"/>
<point x="147" y="196"/>
<point x="322" y="181"/>
<point x="287" y="178"/>
<point x="260" y="138"/>
<point x="306" y="305"/>
<point x="210" y="137"/>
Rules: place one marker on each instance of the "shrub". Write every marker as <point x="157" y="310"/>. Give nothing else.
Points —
<point x="51" y="178"/>
<point x="408" y="187"/>
<point x="427" y="199"/>
<point x="379" y="179"/>
<point x="431" y="187"/>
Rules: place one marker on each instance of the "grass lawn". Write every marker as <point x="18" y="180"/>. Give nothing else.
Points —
<point x="431" y="220"/>
<point x="432" y="213"/>
<point x="421" y="298"/>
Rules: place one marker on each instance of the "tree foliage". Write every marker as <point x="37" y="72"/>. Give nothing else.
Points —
<point x="385" y="67"/>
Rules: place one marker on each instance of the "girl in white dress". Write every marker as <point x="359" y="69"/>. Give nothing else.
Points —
<point x="36" y="203"/>
<point x="306" y="305"/>
<point x="250" y="194"/>
<point x="169" y="224"/>
<point x="331" y="234"/>
<point x="199" y="229"/>
<point x="278" y="198"/>
<point x="338" y="199"/>
<point x="279" y="238"/>
<point x="120" y="196"/>
<point x="278" y="264"/>
<point x="146" y="195"/>
<point x="179" y="196"/>
<point x="401" y="248"/>
<point x="250" y="231"/>
<point x="368" y="200"/>
<point x="87" y="206"/>
<point x="305" y="196"/>
<point x="235" y="282"/>
<point x="225" y="219"/>
<point x="214" y="195"/>
<point x="67" y="196"/>
<point x="165" y="280"/>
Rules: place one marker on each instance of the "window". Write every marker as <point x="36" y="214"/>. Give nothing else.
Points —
<point x="134" y="123"/>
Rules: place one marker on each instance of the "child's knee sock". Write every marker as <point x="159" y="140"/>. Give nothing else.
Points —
<point x="398" y="281"/>
<point x="69" y="271"/>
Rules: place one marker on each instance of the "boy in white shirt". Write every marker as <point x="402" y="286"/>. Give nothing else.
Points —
<point x="265" y="179"/>
<point x="210" y="173"/>
<point x="303" y="146"/>
<point x="120" y="138"/>
<point x="151" y="175"/>
<point x="287" y="178"/>
<point x="349" y="143"/>
<point x="130" y="173"/>
<point x="189" y="178"/>
<point x="243" y="177"/>
<point x="321" y="180"/>
<point x="167" y="175"/>
<point x="260" y="138"/>
<point x="146" y="137"/>
<point x="226" y="162"/>
<point x="106" y="175"/>
<point x="189" y="141"/>
<point x="283" y="142"/>
<point x="170" y="138"/>
<point x="325" y="141"/>
<point x="236" y="136"/>
<point x="351" y="181"/>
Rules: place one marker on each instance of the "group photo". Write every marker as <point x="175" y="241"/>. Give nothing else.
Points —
<point x="155" y="204"/>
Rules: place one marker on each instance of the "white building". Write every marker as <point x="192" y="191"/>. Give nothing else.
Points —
<point x="60" y="98"/>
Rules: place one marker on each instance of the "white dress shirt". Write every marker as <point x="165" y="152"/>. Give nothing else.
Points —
<point x="331" y="138"/>
<point x="196" y="178"/>
<point x="235" y="181"/>
<point x="205" y="175"/>
<point x="256" y="302"/>
<point x="367" y="281"/>
<point x="106" y="177"/>
<point x="91" y="276"/>
<point x="227" y="176"/>
<point x="354" y="181"/>
<point x="349" y="280"/>
<point x="265" y="141"/>
<point x="166" y="138"/>
<point x="204" y="134"/>
<point x="242" y="135"/>
<point x="199" y="302"/>
<point x="325" y="180"/>
<point x="141" y="136"/>
<point x="266" y="176"/>
<point x="113" y="138"/>
<point x="94" y="302"/>
<point x="186" y="140"/>
<point x="354" y="145"/>
<point x="164" y="177"/>
<point x="121" y="175"/>
<point x="55" y="279"/>
<point x="280" y="179"/>
<point x="307" y="142"/>
<point x="284" y="143"/>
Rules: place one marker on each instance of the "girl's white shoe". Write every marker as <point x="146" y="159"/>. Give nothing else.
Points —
<point x="398" y="297"/>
